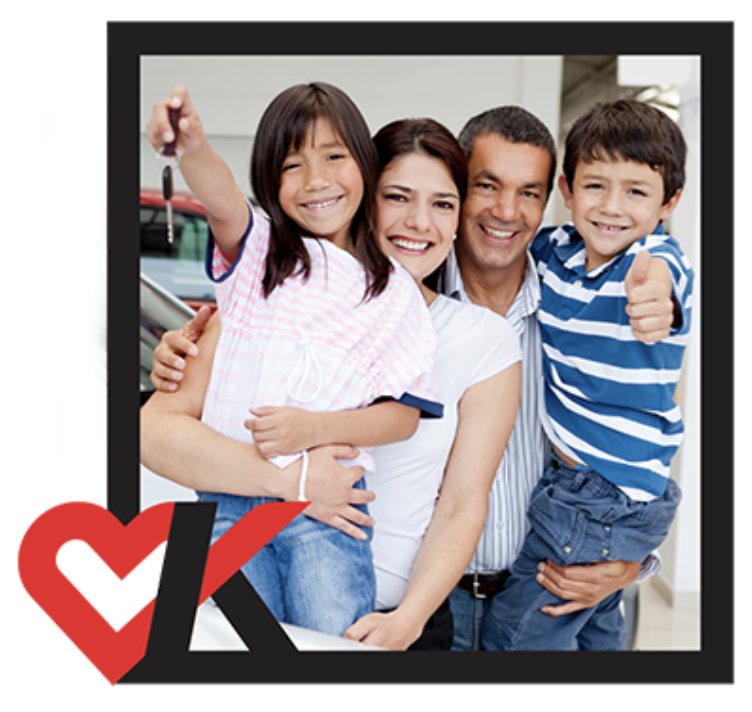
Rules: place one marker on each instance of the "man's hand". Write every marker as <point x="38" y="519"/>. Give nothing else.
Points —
<point x="168" y="365"/>
<point x="330" y="490"/>
<point x="284" y="430"/>
<point x="585" y="586"/>
<point x="651" y="305"/>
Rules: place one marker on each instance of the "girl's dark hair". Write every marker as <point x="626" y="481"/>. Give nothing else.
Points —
<point x="283" y="127"/>
<point x="633" y="131"/>
<point x="428" y="137"/>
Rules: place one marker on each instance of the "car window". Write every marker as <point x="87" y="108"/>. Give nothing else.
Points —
<point x="178" y="267"/>
<point x="190" y="233"/>
<point x="158" y="315"/>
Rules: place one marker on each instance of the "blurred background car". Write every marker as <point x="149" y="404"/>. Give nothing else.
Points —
<point x="178" y="267"/>
<point x="160" y="311"/>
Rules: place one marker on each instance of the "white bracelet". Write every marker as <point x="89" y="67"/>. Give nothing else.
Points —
<point x="303" y="477"/>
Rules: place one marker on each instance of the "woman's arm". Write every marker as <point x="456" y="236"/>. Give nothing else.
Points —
<point x="206" y="174"/>
<point x="178" y="446"/>
<point x="487" y="413"/>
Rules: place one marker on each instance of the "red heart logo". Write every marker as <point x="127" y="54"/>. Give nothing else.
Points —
<point x="123" y="548"/>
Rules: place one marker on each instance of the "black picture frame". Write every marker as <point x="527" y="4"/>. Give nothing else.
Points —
<point x="714" y="44"/>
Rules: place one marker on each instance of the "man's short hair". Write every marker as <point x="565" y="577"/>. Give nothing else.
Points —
<point x="516" y="125"/>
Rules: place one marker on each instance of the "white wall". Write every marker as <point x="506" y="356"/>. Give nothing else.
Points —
<point x="231" y="93"/>
<point x="680" y="577"/>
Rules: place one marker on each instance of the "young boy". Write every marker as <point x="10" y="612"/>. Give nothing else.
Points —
<point x="609" y="409"/>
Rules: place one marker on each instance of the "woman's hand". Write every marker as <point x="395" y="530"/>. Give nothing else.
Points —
<point x="384" y="630"/>
<point x="330" y="489"/>
<point x="190" y="130"/>
<point x="284" y="430"/>
<point x="168" y="365"/>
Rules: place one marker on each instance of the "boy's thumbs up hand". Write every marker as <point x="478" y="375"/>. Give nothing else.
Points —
<point x="638" y="274"/>
<point x="649" y="293"/>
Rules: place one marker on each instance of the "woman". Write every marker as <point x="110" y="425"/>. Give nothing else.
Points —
<point x="431" y="490"/>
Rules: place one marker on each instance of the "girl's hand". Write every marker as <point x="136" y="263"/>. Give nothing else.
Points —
<point x="284" y="431"/>
<point x="167" y="367"/>
<point x="330" y="489"/>
<point x="190" y="130"/>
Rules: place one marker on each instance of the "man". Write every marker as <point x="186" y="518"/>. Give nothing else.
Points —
<point x="512" y="162"/>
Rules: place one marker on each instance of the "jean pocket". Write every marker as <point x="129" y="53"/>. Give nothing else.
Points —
<point x="558" y="524"/>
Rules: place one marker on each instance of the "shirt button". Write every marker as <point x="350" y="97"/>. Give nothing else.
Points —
<point x="578" y="283"/>
<point x="499" y="525"/>
<point x="607" y="527"/>
<point x="567" y="549"/>
<point x="605" y="552"/>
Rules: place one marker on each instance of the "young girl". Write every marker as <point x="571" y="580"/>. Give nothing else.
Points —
<point x="314" y="317"/>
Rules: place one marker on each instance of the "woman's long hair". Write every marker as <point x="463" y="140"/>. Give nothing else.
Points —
<point x="283" y="128"/>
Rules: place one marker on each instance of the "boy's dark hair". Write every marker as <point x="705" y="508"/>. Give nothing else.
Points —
<point x="633" y="131"/>
<point x="516" y="125"/>
<point x="283" y="127"/>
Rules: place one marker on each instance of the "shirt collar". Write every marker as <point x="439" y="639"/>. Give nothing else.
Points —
<point x="571" y="252"/>
<point x="527" y="300"/>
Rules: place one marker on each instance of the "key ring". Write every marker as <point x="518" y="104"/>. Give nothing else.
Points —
<point x="168" y="160"/>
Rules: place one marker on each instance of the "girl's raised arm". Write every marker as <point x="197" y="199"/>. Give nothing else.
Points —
<point x="206" y="174"/>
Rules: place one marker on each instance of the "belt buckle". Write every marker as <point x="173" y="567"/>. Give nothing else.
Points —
<point x="476" y="588"/>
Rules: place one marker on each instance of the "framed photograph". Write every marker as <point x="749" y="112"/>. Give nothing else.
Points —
<point x="448" y="72"/>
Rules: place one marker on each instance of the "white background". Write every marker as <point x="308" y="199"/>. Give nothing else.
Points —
<point x="53" y="122"/>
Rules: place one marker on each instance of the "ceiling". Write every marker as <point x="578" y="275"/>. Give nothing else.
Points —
<point x="587" y="79"/>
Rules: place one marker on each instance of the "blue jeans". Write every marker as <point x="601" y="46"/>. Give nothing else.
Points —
<point x="468" y="613"/>
<point x="310" y="574"/>
<point x="577" y="518"/>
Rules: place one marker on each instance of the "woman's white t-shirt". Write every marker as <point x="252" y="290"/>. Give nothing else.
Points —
<point x="474" y="344"/>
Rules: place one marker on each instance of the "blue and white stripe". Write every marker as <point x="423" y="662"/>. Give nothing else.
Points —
<point x="609" y="398"/>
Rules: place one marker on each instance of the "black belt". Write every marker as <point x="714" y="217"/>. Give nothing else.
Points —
<point x="484" y="585"/>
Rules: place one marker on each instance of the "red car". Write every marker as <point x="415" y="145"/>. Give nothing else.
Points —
<point x="177" y="267"/>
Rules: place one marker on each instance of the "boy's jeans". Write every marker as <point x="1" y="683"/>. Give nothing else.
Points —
<point x="310" y="575"/>
<point x="577" y="518"/>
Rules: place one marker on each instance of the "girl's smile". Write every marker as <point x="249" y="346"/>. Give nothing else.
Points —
<point x="321" y="187"/>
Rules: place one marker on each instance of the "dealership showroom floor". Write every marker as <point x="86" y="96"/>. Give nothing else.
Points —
<point x="660" y="626"/>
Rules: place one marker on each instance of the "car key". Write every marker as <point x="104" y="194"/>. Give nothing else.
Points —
<point x="167" y="192"/>
<point x="169" y="159"/>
